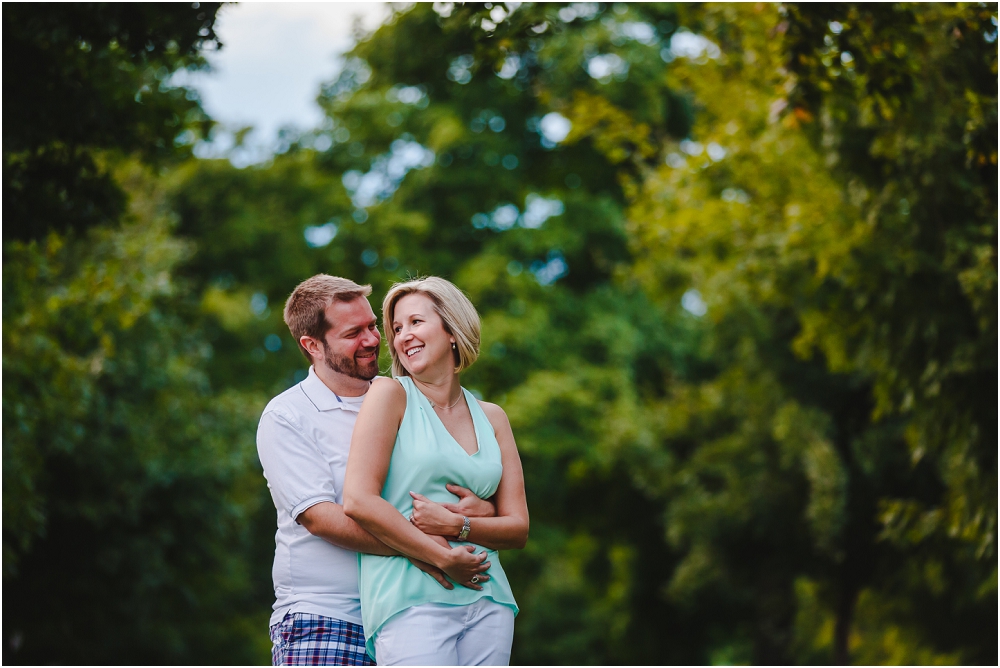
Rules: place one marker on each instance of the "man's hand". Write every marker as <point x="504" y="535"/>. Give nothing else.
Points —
<point x="469" y="505"/>
<point x="433" y="519"/>
<point x="434" y="572"/>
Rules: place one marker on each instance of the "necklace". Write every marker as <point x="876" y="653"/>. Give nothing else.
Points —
<point x="449" y="407"/>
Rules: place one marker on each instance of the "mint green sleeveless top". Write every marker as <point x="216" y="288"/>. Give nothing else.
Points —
<point x="425" y="458"/>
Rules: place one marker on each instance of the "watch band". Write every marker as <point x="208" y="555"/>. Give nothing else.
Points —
<point x="466" y="527"/>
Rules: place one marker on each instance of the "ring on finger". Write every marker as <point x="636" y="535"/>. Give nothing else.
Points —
<point x="475" y="579"/>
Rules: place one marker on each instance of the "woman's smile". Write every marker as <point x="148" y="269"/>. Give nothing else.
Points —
<point x="421" y="341"/>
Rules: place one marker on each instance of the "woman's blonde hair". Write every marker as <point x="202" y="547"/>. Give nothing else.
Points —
<point x="455" y="310"/>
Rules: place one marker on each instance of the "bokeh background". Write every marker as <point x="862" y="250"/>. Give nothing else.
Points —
<point x="737" y="271"/>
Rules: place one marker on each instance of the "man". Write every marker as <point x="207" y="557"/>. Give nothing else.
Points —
<point x="303" y="441"/>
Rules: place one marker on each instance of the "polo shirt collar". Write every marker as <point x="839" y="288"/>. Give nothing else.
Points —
<point x="322" y="397"/>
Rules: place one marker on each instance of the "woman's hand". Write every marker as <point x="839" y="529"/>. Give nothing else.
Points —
<point x="465" y="567"/>
<point x="433" y="519"/>
<point x="469" y="504"/>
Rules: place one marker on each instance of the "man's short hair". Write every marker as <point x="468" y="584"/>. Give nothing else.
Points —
<point x="457" y="313"/>
<point x="305" y="310"/>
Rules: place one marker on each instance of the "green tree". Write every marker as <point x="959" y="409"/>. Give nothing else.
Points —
<point x="435" y="160"/>
<point x="854" y="330"/>
<point x="85" y="80"/>
<point x="702" y="476"/>
<point x="128" y="480"/>
<point x="736" y="267"/>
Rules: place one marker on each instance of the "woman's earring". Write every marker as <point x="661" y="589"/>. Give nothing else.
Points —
<point x="453" y="346"/>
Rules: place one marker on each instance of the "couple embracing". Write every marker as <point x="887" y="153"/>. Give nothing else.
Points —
<point x="411" y="477"/>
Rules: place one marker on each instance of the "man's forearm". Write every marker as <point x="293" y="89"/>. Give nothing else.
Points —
<point x="328" y="521"/>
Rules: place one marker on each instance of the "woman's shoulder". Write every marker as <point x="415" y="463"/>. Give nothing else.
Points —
<point x="385" y="389"/>
<point x="495" y="414"/>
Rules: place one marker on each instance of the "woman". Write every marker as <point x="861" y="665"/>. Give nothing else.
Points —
<point x="414" y="436"/>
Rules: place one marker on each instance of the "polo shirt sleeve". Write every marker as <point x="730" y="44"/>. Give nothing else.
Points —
<point x="297" y="474"/>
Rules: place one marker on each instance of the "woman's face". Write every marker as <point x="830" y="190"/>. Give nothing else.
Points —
<point x="421" y="342"/>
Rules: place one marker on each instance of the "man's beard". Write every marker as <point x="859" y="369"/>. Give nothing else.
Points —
<point x="349" y="366"/>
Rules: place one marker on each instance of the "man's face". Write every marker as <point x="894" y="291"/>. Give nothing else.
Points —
<point x="351" y="344"/>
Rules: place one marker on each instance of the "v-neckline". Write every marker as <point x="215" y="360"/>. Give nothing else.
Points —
<point x="475" y="429"/>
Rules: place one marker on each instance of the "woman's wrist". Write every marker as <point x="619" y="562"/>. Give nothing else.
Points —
<point x="458" y="521"/>
<point x="463" y="533"/>
<point x="443" y="558"/>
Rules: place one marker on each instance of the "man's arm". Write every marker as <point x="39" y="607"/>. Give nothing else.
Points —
<point x="302" y="485"/>
<point x="298" y="477"/>
<point x="328" y="521"/>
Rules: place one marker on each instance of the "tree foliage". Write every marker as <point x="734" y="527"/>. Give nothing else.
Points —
<point x="88" y="79"/>
<point x="855" y="219"/>
<point x="129" y="480"/>
<point x="736" y="266"/>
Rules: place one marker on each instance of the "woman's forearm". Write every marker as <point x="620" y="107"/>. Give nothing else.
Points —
<point x="504" y="532"/>
<point x="382" y="520"/>
<point x="367" y="467"/>
<point x="498" y="533"/>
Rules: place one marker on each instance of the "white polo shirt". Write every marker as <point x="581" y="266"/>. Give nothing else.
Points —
<point x="303" y="440"/>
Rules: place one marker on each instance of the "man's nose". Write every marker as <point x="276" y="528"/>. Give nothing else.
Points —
<point x="373" y="338"/>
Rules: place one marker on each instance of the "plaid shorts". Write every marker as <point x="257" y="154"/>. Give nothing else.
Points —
<point x="303" y="639"/>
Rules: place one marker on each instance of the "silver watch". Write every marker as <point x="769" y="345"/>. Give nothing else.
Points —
<point x="466" y="526"/>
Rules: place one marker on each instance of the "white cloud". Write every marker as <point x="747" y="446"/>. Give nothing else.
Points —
<point x="639" y="31"/>
<point x="318" y="236"/>
<point x="715" y="151"/>
<point x="685" y="44"/>
<point x="511" y="65"/>
<point x="550" y="271"/>
<point x="554" y="127"/>
<point x="387" y="172"/>
<point x="273" y="60"/>
<point x="538" y="209"/>
<point x="607" y="65"/>
<point x="692" y="302"/>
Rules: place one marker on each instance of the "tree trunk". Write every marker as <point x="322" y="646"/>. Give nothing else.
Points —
<point x="842" y="630"/>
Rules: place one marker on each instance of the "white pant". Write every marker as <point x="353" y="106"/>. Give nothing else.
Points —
<point x="434" y="634"/>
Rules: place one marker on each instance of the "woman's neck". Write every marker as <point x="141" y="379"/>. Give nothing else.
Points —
<point x="443" y="391"/>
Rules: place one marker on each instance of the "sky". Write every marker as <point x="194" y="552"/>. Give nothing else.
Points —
<point x="276" y="55"/>
<point x="269" y="71"/>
